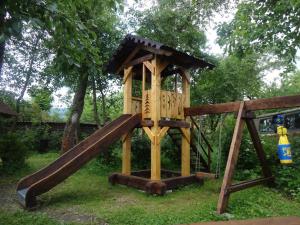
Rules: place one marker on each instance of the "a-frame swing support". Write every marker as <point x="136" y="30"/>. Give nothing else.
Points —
<point x="245" y="115"/>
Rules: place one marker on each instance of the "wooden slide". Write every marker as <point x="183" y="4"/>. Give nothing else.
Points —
<point x="71" y="161"/>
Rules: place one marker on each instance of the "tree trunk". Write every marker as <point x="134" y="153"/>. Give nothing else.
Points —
<point x="95" y="109"/>
<point x="2" y="43"/>
<point x="28" y="73"/>
<point x="71" y="129"/>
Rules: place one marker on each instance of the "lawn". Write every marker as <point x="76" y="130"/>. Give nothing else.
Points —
<point x="86" y="197"/>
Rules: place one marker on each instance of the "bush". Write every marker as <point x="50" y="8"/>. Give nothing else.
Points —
<point x="13" y="150"/>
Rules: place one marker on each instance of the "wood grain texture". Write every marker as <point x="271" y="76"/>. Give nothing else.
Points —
<point x="75" y="158"/>
<point x="232" y="160"/>
<point x="252" y="105"/>
<point x="265" y="221"/>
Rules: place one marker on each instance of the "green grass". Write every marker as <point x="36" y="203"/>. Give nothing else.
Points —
<point x="88" y="193"/>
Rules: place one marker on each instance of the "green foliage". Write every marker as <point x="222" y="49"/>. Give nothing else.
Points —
<point x="14" y="148"/>
<point x="232" y="79"/>
<point x="264" y="26"/>
<point x="42" y="96"/>
<point x="173" y="23"/>
<point x="140" y="151"/>
<point x="288" y="86"/>
<point x="16" y="218"/>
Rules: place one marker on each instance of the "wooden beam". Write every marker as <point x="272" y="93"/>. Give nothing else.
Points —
<point x="155" y="116"/>
<point x="147" y="123"/>
<point x="126" y="154"/>
<point x="251" y="105"/>
<point x="149" y="66"/>
<point x="127" y="73"/>
<point x="130" y="57"/>
<point x="173" y="124"/>
<point x="157" y="51"/>
<point x="139" y="60"/>
<point x="127" y="108"/>
<point x="186" y="134"/>
<point x="248" y="184"/>
<point x="212" y="109"/>
<point x="206" y="175"/>
<point x="149" y="133"/>
<point x="163" y="132"/>
<point x="232" y="160"/>
<point x="185" y="74"/>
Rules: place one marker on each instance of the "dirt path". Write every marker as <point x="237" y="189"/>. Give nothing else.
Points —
<point x="9" y="202"/>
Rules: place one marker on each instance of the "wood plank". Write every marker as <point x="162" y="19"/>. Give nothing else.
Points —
<point x="149" y="133"/>
<point x="265" y="221"/>
<point x="127" y="91"/>
<point x="149" y="66"/>
<point x="147" y="123"/>
<point x="155" y="116"/>
<point x="206" y="175"/>
<point x="130" y="57"/>
<point x="251" y="105"/>
<point x="212" y="109"/>
<point x="139" y="60"/>
<point x="232" y="160"/>
<point x="157" y="51"/>
<point x="174" y="123"/>
<point x="248" y="184"/>
<point x="126" y="154"/>
<point x="186" y="138"/>
<point x="162" y="132"/>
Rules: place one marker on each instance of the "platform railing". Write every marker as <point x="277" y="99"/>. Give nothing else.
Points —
<point x="171" y="105"/>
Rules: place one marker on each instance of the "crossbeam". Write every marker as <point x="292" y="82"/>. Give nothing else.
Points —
<point x="251" y="105"/>
<point x="248" y="184"/>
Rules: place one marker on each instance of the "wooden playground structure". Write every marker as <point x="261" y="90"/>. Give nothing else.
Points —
<point x="148" y="68"/>
<point x="151" y="63"/>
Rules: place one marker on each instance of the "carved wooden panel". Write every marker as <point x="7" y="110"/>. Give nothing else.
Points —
<point x="171" y="105"/>
<point x="146" y="109"/>
<point x="136" y="106"/>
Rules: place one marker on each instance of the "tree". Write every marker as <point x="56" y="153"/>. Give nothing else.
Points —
<point x="25" y="61"/>
<point x="174" y="23"/>
<point x="264" y="26"/>
<point x="77" y="32"/>
<point x="13" y="14"/>
<point x="232" y="79"/>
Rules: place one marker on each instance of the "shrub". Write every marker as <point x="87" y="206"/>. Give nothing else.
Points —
<point x="13" y="150"/>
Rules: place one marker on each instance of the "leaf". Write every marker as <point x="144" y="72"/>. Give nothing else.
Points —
<point x="52" y="7"/>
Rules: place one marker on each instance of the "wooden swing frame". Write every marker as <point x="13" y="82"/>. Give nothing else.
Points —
<point x="245" y="115"/>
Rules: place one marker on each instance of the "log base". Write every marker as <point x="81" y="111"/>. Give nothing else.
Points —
<point x="140" y="180"/>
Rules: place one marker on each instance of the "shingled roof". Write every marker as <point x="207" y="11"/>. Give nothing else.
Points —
<point x="6" y="110"/>
<point x="130" y="42"/>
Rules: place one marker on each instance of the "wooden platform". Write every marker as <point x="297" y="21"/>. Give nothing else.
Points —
<point x="266" y="221"/>
<point x="141" y="180"/>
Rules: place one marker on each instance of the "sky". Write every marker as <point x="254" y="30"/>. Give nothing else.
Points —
<point x="212" y="46"/>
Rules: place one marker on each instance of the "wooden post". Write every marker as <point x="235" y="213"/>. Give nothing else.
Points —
<point x="185" y="143"/>
<point x="232" y="160"/>
<point x="155" y="116"/>
<point x="126" y="152"/>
